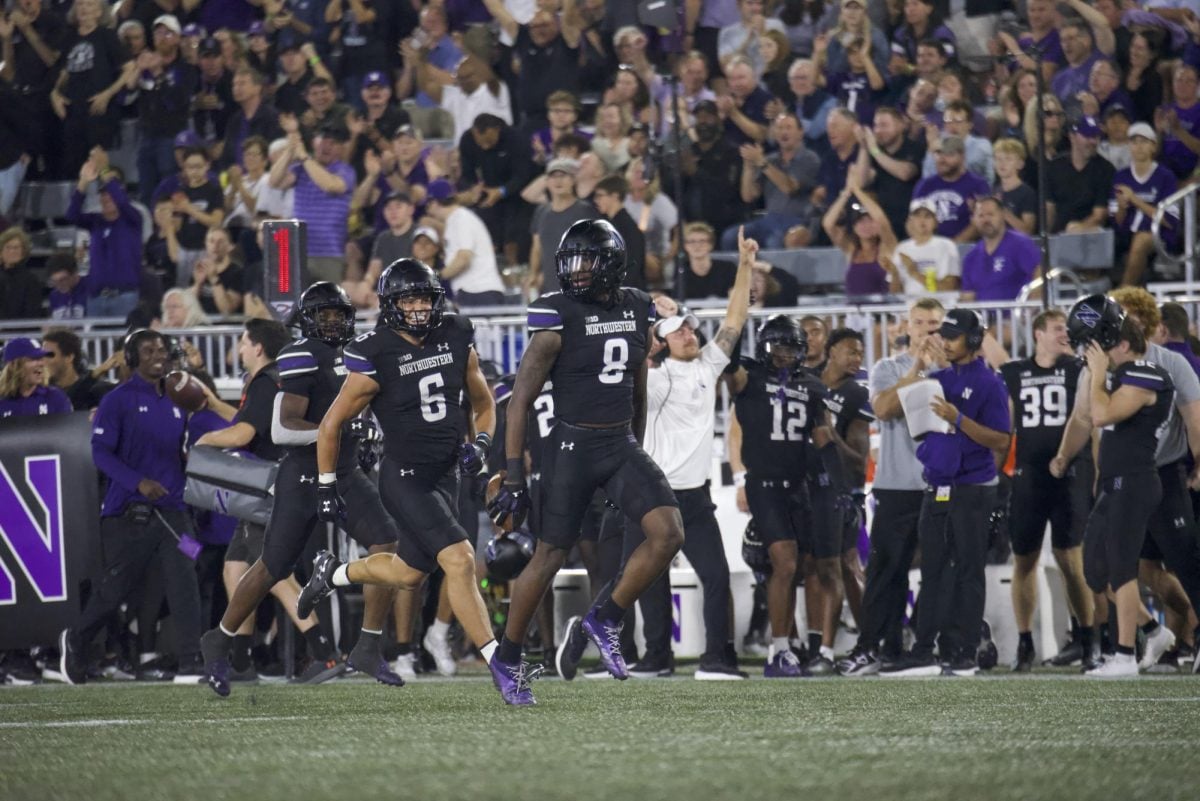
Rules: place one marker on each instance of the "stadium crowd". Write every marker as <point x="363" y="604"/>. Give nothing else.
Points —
<point x="472" y="135"/>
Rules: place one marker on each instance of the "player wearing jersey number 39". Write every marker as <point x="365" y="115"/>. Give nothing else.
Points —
<point x="590" y="339"/>
<point x="415" y="370"/>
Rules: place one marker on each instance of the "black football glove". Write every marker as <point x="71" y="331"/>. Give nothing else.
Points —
<point x="472" y="456"/>
<point x="363" y="429"/>
<point x="330" y="506"/>
<point x="368" y="455"/>
<point x="511" y="503"/>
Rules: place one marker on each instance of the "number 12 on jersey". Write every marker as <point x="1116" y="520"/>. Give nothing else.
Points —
<point x="787" y="424"/>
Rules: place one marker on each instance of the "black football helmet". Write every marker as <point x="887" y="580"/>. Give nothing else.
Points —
<point x="754" y="550"/>
<point x="407" y="278"/>
<point x="780" y="330"/>
<point x="1095" y="317"/>
<point x="321" y="296"/>
<point x="590" y="260"/>
<point x="507" y="554"/>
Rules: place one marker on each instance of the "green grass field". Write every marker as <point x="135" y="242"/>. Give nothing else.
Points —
<point x="1043" y="736"/>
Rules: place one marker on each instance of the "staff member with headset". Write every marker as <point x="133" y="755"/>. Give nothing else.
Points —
<point x="898" y="492"/>
<point x="1131" y="403"/>
<point x="961" y="478"/>
<point x="137" y="442"/>
<point x="251" y="429"/>
<point x="681" y="400"/>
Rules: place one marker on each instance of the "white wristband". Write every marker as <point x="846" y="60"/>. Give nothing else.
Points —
<point x="326" y="478"/>
<point x="739" y="479"/>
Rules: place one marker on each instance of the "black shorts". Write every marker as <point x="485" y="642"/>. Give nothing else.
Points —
<point x="1038" y="498"/>
<point x="824" y="531"/>
<point x="247" y="543"/>
<point x="780" y="510"/>
<point x="1117" y="527"/>
<point x="579" y="461"/>
<point x="593" y="518"/>
<point x="294" y="514"/>
<point x="1172" y="519"/>
<point x="426" y="513"/>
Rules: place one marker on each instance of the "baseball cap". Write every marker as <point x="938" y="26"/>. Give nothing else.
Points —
<point x="192" y="29"/>
<point x="334" y="129"/>
<point x="399" y="195"/>
<point x="429" y="233"/>
<point x="1143" y="130"/>
<point x="958" y="322"/>
<point x="168" y="21"/>
<point x="288" y="40"/>
<point x="374" y="78"/>
<point x="256" y="29"/>
<point x="209" y="46"/>
<point x="23" y="348"/>
<point x="405" y="130"/>
<point x="187" y="138"/>
<point x="922" y="204"/>
<point x="1086" y="126"/>
<point x="440" y="190"/>
<point x="951" y="144"/>
<point x="130" y="25"/>
<point x="669" y="325"/>
<point x="857" y="2"/>
<point x="707" y="106"/>
<point x="562" y="164"/>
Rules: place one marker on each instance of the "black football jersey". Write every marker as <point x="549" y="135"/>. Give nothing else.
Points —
<point x="314" y="370"/>
<point x="1128" y="447"/>
<point x="603" y="348"/>
<point x="1042" y="399"/>
<point x="778" y="414"/>
<point x="847" y="402"/>
<point x="421" y="390"/>
<point x="538" y="425"/>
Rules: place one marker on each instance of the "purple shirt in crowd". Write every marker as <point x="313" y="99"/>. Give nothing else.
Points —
<point x="1070" y="81"/>
<point x="236" y="15"/>
<point x="866" y="278"/>
<point x="115" y="250"/>
<point x="999" y="275"/>
<point x="69" y="305"/>
<point x="954" y="459"/>
<point x="1175" y="154"/>
<point x="953" y="200"/>
<point x="42" y="401"/>
<point x="326" y="214"/>
<point x="1184" y="350"/>
<point x="138" y="433"/>
<point x="1159" y="185"/>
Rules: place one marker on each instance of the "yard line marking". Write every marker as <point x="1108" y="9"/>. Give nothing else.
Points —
<point x="64" y="724"/>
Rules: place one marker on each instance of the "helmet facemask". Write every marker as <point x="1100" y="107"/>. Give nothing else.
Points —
<point x="418" y="321"/>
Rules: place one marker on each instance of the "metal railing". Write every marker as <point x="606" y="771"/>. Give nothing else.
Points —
<point x="1186" y="196"/>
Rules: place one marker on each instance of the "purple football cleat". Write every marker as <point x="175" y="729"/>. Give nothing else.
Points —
<point x="607" y="637"/>
<point x="217" y="670"/>
<point x="784" y="665"/>
<point x="376" y="667"/>
<point x="512" y="682"/>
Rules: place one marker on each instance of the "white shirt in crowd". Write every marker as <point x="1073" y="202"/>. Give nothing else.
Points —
<point x="257" y="190"/>
<point x="680" y="413"/>
<point x="938" y="254"/>
<point x="465" y="108"/>
<point x="465" y="231"/>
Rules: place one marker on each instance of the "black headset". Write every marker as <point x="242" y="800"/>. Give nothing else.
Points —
<point x="134" y="340"/>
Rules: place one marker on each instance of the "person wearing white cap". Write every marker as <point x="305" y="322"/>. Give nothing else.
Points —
<point x="925" y="262"/>
<point x="165" y="83"/>
<point x="551" y="220"/>
<point x="680" y="403"/>
<point x="1136" y="192"/>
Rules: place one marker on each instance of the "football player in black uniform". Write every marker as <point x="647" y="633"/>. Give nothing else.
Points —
<point x="780" y="408"/>
<point x="311" y="373"/>
<point x="590" y="339"/>
<point x="839" y="572"/>
<point x="414" y="370"/>
<point x="1041" y="392"/>
<point x="1130" y="399"/>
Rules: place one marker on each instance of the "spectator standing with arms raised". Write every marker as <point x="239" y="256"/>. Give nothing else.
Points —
<point x="115" y="246"/>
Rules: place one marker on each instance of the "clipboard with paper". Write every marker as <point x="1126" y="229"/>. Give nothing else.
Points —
<point x="916" y="400"/>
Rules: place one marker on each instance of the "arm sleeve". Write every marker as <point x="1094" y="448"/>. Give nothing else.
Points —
<point x="105" y="438"/>
<point x="298" y="370"/>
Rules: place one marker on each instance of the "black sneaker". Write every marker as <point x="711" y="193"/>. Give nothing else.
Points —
<point x="859" y="662"/>
<point x="318" y="672"/>
<point x="654" y="666"/>
<point x="320" y="583"/>
<point x="963" y="666"/>
<point x="369" y="661"/>
<point x="911" y="665"/>
<point x="987" y="656"/>
<point x="214" y="650"/>
<point x="1025" y="658"/>
<point x="1071" y="654"/>
<point x="822" y="666"/>
<point x="157" y="669"/>
<point x="720" y="669"/>
<point x="70" y="662"/>
<point x="1092" y="660"/>
<point x="17" y="669"/>
<point x="571" y="649"/>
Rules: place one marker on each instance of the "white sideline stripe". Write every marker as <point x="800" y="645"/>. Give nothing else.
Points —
<point x="72" y="724"/>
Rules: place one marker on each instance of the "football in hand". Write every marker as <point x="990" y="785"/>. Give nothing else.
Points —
<point x="186" y="391"/>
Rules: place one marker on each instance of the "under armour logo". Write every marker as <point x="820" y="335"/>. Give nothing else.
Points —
<point x="1117" y="483"/>
<point x="1180" y="522"/>
<point x="444" y="346"/>
<point x="44" y="408"/>
<point x="404" y="472"/>
<point x="308" y="479"/>
<point x="629" y="315"/>
<point x="326" y="506"/>
<point x="967" y="393"/>
<point x="143" y="408"/>
<point x="566" y="446"/>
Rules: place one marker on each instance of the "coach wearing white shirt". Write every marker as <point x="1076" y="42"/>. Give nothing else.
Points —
<point x="470" y="255"/>
<point x="680" y="410"/>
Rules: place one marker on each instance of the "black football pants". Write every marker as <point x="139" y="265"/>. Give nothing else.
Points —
<point x="893" y="545"/>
